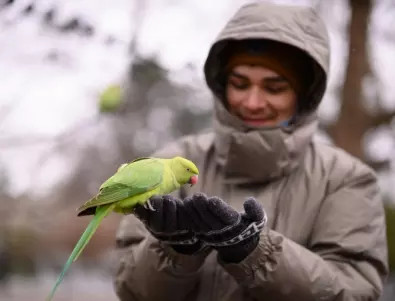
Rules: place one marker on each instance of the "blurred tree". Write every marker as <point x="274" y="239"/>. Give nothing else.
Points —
<point x="155" y="109"/>
<point x="17" y="236"/>
<point x="348" y="133"/>
<point x="355" y="120"/>
<point x="5" y="208"/>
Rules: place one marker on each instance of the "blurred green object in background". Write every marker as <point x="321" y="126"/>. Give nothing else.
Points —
<point x="390" y="217"/>
<point x="110" y="98"/>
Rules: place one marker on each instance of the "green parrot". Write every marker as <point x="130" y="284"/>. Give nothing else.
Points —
<point x="110" y="99"/>
<point x="133" y="183"/>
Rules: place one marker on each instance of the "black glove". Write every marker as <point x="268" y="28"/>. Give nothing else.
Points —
<point x="234" y="235"/>
<point x="166" y="220"/>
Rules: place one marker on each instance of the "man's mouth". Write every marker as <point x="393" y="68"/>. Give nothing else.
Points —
<point x="258" y="122"/>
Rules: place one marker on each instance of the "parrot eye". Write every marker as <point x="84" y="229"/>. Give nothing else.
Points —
<point x="188" y="169"/>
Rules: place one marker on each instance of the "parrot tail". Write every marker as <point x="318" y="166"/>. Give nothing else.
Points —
<point x="101" y="212"/>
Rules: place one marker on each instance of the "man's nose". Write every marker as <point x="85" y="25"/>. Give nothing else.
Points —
<point x="255" y="100"/>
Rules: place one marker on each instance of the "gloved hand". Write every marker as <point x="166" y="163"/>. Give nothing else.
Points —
<point x="234" y="235"/>
<point x="168" y="222"/>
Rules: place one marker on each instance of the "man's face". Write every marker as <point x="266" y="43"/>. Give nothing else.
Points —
<point x="259" y="96"/>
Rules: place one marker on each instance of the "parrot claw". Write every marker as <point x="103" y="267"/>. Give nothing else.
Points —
<point x="148" y="206"/>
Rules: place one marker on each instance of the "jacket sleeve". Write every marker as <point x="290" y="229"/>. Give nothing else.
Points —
<point x="147" y="269"/>
<point x="345" y="261"/>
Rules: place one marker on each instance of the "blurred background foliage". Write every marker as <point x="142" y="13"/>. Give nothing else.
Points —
<point x="390" y="217"/>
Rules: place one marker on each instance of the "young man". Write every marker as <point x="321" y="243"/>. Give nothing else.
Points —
<point x="312" y="226"/>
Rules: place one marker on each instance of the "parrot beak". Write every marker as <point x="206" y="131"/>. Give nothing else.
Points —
<point x="193" y="180"/>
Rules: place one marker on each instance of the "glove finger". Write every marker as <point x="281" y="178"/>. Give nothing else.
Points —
<point x="183" y="222"/>
<point x="254" y="210"/>
<point x="141" y="213"/>
<point x="155" y="218"/>
<point x="224" y="213"/>
<point x="207" y="210"/>
<point x="208" y="220"/>
<point x="196" y="218"/>
<point x="169" y="214"/>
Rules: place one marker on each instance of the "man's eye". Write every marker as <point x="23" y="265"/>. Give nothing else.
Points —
<point x="239" y="85"/>
<point x="275" y="89"/>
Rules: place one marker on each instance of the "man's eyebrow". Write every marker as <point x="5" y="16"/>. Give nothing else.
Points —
<point x="239" y="75"/>
<point x="272" y="78"/>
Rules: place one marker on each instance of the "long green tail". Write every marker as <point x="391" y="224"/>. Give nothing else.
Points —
<point x="101" y="212"/>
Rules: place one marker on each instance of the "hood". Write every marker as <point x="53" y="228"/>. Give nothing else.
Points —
<point x="257" y="155"/>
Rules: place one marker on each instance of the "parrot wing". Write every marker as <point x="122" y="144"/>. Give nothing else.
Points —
<point x="121" y="175"/>
<point x="131" y="180"/>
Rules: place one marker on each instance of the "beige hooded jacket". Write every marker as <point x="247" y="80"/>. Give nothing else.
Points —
<point x="325" y="237"/>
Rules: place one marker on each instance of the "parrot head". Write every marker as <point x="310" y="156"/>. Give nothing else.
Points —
<point x="184" y="170"/>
